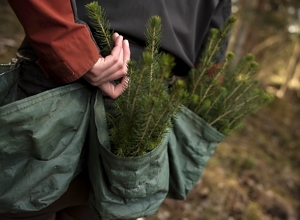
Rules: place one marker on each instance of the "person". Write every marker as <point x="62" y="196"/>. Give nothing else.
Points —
<point x="60" y="48"/>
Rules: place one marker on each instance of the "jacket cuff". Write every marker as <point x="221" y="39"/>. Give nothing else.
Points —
<point x="72" y="60"/>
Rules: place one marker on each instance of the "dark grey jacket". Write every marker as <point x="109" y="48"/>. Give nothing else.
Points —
<point x="186" y="24"/>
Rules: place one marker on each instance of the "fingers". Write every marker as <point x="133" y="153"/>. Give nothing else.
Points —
<point x="116" y="71"/>
<point x="117" y="61"/>
<point x="126" y="52"/>
<point x="114" y="91"/>
<point x="111" y="68"/>
<point x="115" y="35"/>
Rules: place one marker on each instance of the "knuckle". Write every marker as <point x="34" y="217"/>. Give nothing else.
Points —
<point x="122" y="74"/>
<point x="93" y="83"/>
<point x="115" y="59"/>
<point x="120" y="65"/>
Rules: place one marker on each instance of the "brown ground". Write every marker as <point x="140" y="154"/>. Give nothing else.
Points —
<point x="254" y="175"/>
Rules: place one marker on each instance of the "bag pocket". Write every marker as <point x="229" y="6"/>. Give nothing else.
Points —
<point x="9" y="76"/>
<point x="191" y="144"/>
<point x="124" y="188"/>
<point x="41" y="138"/>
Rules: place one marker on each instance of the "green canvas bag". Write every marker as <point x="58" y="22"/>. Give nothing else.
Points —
<point x="192" y="142"/>
<point x="124" y="188"/>
<point x="41" y="138"/>
<point x="9" y="76"/>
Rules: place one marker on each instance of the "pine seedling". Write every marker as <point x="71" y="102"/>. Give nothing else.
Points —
<point x="224" y="98"/>
<point x="145" y="108"/>
<point x="221" y="96"/>
<point x="101" y="26"/>
<point x="143" y="112"/>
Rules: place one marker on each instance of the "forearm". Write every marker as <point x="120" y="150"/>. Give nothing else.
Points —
<point x="65" y="48"/>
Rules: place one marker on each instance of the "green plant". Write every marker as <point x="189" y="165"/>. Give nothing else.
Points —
<point x="143" y="113"/>
<point x="101" y="26"/>
<point x="221" y="96"/>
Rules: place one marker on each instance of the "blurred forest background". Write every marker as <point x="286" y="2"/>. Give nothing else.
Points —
<point x="255" y="172"/>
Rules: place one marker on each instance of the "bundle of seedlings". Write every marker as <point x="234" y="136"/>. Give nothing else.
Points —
<point x="220" y="94"/>
<point x="143" y="112"/>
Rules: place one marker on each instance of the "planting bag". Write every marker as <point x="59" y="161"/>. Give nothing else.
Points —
<point x="9" y="76"/>
<point x="124" y="188"/>
<point x="41" y="138"/>
<point x="191" y="144"/>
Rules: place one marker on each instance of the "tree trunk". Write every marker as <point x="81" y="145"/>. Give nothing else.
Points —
<point x="244" y="24"/>
<point x="290" y="71"/>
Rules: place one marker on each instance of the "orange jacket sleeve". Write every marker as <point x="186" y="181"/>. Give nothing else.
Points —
<point x="66" y="49"/>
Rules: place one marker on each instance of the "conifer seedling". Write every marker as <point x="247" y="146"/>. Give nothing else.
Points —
<point x="143" y="113"/>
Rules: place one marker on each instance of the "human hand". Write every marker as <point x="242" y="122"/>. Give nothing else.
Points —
<point x="110" y="68"/>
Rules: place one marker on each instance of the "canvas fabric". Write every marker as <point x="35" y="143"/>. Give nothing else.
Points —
<point x="41" y="141"/>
